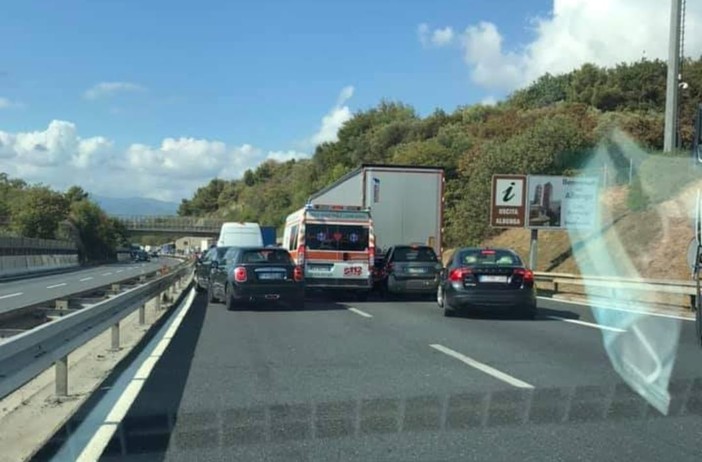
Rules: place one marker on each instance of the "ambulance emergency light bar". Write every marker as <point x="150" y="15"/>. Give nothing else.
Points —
<point x="334" y="208"/>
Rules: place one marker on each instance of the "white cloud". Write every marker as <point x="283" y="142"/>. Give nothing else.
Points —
<point x="106" y="89"/>
<point x="172" y="170"/>
<point x="442" y="37"/>
<point x="437" y="37"/>
<point x="335" y="118"/>
<point x="604" y="32"/>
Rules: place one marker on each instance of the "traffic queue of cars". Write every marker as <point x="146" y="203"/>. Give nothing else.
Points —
<point x="486" y="279"/>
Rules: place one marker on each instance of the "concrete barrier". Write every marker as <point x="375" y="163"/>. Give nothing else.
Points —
<point x="17" y="265"/>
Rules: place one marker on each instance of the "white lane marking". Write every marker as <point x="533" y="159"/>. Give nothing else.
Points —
<point x="588" y="324"/>
<point x="56" y="285"/>
<point x="86" y="279"/>
<point x="100" y="439"/>
<point x="119" y="410"/>
<point x="17" y="294"/>
<point x="482" y="367"/>
<point x="627" y="310"/>
<point x="120" y="271"/>
<point x="106" y="274"/>
<point x="360" y="313"/>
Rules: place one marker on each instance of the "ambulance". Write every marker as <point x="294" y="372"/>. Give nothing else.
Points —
<point x="335" y="245"/>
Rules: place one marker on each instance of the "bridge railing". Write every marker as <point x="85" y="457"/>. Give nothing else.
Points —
<point x="169" y="223"/>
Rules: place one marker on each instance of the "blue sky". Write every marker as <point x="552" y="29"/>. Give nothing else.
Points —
<point x="258" y="74"/>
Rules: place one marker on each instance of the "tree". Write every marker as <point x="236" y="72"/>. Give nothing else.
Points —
<point x="75" y="194"/>
<point x="40" y="212"/>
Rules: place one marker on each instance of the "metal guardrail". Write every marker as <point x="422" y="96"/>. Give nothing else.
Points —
<point x="26" y="355"/>
<point x="615" y="283"/>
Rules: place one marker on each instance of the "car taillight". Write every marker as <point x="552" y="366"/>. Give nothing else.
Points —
<point x="298" y="275"/>
<point x="371" y="256"/>
<point x="457" y="274"/>
<point x="301" y="255"/>
<point x="526" y="274"/>
<point x="240" y="274"/>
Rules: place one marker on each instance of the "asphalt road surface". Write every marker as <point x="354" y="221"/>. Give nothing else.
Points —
<point x="395" y="381"/>
<point x="27" y="292"/>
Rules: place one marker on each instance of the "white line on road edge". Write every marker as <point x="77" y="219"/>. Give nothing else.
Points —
<point x="588" y="324"/>
<point x="106" y="274"/>
<point x="359" y="312"/>
<point x="17" y="294"/>
<point x="86" y="279"/>
<point x="100" y="439"/>
<point x="56" y="285"/>
<point x="615" y="308"/>
<point x="482" y="367"/>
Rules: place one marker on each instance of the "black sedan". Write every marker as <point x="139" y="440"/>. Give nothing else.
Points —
<point x="203" y="266"/>
<point x="257" y="275"/>
<point x="493" y="279"/>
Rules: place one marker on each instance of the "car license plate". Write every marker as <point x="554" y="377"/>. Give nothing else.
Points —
<point x="502" y="279"/>
<point x="416" y="270"/>
<point x="271" y="276"/>
<point x="319" y="268"/>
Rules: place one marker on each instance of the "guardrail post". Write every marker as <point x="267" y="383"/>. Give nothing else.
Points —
<point x="115" y="336"/>
<point x="555" y="287"/>
<point x="61" y="368"/>
<point x="142" y="314"/>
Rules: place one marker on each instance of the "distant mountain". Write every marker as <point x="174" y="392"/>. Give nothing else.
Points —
<point x="135" y="206"/>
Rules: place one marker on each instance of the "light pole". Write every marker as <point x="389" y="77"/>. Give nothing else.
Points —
<point x="671" y="93"/>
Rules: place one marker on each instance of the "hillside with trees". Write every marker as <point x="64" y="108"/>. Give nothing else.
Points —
<point x="557" y="125"/>
<point x="38" y="211"/>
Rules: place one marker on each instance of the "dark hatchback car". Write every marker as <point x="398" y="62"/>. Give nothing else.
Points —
<point x="257" y="275"/>
<point x="203" y="266"/>
<point x="492" y="279"/>
<point x="410" y="269"/>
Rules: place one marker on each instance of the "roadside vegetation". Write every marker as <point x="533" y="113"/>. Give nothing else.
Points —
<point x="575" y="123"/>
<point x="39" y="211"/>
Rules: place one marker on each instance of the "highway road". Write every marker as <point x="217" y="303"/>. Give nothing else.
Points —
<point x="27" y="292"/>
<point x="384" y="381"/>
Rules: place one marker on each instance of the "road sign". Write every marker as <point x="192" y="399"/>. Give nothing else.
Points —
<point x="558" y="202"/>
<point x="508" y="203"/>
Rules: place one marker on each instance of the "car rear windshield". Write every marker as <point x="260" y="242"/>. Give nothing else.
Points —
<point x="410" y="254"/>
<point x="274" y="256"/>
<point x="336" y="237"/>
<point x="479" y="257"/>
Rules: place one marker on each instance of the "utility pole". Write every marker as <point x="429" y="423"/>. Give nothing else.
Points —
<point x="671" y="92"/>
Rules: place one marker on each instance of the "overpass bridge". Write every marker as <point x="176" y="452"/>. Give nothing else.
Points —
<point x="187" y="226"/>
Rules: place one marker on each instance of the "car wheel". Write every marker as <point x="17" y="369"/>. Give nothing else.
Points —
<point x="531" y="312"/>
<point x="230" y="302"/>
<point x="198" y="287"/>
<point x="440" y="296"/>
<point x="210" y="295"/>
<point x="449" y="313"/>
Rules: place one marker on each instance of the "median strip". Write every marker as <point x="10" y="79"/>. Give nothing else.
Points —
<point x="588" y="324"/>
<point x="360" y="313"/>
<point x="482" y="367"/>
